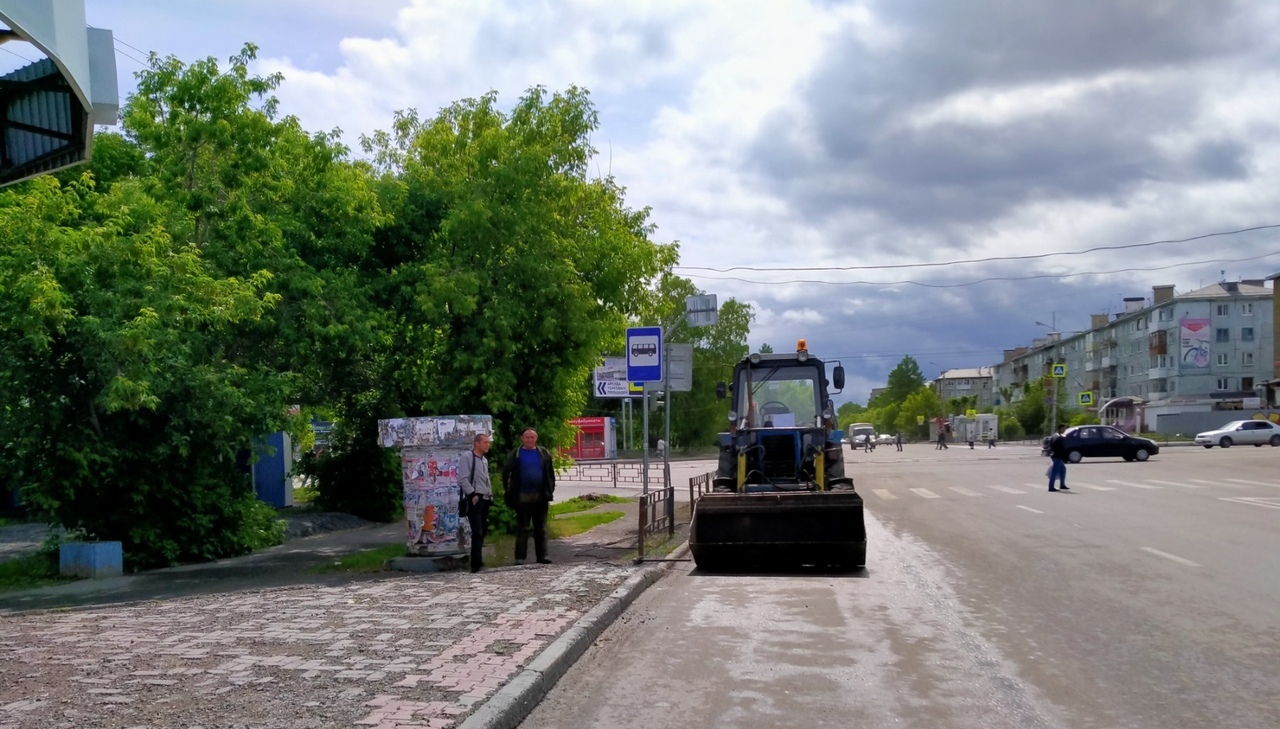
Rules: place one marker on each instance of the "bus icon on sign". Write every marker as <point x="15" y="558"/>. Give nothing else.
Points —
<point x="644" y="350"/>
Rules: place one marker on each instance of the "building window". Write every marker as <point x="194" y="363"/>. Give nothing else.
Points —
<point x="1223" y="309"/>
<point x="1246" y="383"/>
<point x="1246" y="359"/>
<point x="1246" y="334"/>
<point x="1223" y="335"/>
<point x="1224" y="383"/>
<point x="1246" y="309"/>
<point x="1224" y="359"/>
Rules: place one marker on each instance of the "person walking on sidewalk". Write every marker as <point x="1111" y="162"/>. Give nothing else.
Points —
<point x="530" y="481"/>
<point x="1058" y="468"/>
<point x="477" y="490"/>
<point x="898" y="440"/>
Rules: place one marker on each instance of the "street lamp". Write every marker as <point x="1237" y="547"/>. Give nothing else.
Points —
<point x="1053" y="395"/>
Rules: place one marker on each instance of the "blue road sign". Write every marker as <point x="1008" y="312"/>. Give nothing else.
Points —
<point x="644" y="354"/>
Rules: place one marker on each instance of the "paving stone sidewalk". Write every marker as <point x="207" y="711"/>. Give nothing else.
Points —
<point x="417" y="651"/>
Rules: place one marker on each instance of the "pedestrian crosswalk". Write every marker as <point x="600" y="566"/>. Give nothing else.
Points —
<point x="1234" y="486"/>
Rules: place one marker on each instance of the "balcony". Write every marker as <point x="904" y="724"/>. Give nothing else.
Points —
<point x="1090" y="366"/>
<point x="1159" y="373"/>
<point x="1157" y="395"/>
<point x="1109" y="361"/>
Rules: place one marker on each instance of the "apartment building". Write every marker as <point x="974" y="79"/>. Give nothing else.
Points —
<point x="979" y="382"/>
<point x="1210" y="349"/>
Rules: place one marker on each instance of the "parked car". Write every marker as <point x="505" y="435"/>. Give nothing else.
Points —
<point x="1104" y="441"/>
<point x="1241" y="432"/>
<point x="885" y="439"/>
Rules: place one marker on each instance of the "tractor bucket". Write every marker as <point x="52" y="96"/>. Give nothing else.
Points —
<point x="742" y="531"/>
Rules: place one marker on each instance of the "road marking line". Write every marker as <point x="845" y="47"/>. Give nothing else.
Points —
<point x="1252" y="483"/>
<point x="1268" y="502"/>
<point x="1166" y="555"/>
<point x="1091" y="486"/>
<point x="926" y="493"/>
<point x="1135" y="485"/>
<point x="1028" y="508"/>
<point x="963" y="490"/>
<point x="885" y="494"/>
<point x="1181" y="485"/>
<point x="1006" y="489"/>
<point x="1215" y="483"/>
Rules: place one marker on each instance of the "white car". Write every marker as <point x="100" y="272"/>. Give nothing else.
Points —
<point x="1241" y="432"/>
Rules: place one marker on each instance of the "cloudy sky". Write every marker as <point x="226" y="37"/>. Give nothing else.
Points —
<point x="821" y="159"/>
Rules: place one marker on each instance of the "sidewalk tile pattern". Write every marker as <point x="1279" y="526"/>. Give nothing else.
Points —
<point x="405" y="652"/>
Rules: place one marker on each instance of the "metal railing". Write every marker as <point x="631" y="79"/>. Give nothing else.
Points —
<point x="657" y="511"/>
<point x="611" y="472"/>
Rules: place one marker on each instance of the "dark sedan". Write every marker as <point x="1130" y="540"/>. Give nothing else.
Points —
<point x="1104" y="441"/>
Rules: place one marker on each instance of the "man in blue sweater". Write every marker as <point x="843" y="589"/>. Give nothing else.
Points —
<point x="530" y="481"/>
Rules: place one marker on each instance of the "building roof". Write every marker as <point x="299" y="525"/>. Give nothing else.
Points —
<point x="1223" y="289"/>
<point x="969" y="373"/>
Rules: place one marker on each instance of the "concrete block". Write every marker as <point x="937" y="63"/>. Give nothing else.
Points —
<point x="94" y="560"/>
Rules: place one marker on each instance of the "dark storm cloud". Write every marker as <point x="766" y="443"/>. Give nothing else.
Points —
<point x="854" y="143"/>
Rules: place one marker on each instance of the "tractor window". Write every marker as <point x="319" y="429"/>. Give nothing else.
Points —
<point x="780" y="397"/>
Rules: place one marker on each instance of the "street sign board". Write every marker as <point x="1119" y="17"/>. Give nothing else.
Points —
<point x="1086" y="398"/>
<point x="611" y="378"/>
<point x="971" y="414"/>
<point x="644" y="354"/>
<point x="1059" y="370"/>
<point x="680" y="367"/>
<point x="701" y="311"/>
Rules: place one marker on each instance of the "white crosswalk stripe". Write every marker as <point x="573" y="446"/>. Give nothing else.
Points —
<point x="1134" y="485"/>
<point x="1179" y="485"/>
<point x="1247" y="482"/>
<point x="1215" y="483"/>
<point x="885" y="494"/>
<point x="925" y="493"/>
<point x="1091" y="486"/>
<point x="1006" y="489"/>
<point x="963" y="490"/>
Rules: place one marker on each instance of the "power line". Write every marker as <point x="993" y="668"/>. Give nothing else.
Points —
<point x="135" y="60"/>
<point x="995" y="259"/>
<point x="983" y="280"/>
<point x="19" y="55"/>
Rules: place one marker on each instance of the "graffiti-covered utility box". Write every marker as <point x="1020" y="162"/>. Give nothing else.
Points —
<point x="430" y="448"/>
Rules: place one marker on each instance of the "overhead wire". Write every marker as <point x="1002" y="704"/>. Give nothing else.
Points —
<point x="988" y="279"/>
<point x="993" y="259"/>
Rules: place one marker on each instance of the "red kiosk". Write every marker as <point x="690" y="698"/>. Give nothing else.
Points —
<point x="596" y="439"/>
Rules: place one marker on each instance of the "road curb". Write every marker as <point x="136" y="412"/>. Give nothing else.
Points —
<point x="513" y="702"/>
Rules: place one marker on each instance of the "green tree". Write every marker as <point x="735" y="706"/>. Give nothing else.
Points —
<point x="904" y="379"/>
<point x="124" y="407"/>
<point x="923" y="403"/>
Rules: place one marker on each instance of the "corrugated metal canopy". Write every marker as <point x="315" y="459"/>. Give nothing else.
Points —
<point x="43" y="124"/>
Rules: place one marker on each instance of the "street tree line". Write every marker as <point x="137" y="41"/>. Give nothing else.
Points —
<point x="908" y="403"/>
<point x="218" y="273"/>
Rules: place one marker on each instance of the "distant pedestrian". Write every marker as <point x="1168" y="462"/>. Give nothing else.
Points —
<point x="477" y="491"/>
<point x="991" y="439"/>
<point x="530" y="482"/>
<point x="898" y="440"/>
<point x="867" y="443"/>
<point x="662" y="446"/>
<point x="1058" y="465"/>
<point x="942" y="440"/>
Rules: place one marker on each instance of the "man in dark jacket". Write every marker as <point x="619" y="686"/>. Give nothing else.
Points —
<point x="530" y="483"/>
<point x="1058" y="467"/>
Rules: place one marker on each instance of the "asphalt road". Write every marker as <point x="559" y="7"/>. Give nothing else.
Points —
<point x="1148" y="596"/>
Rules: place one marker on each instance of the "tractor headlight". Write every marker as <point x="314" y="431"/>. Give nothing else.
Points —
<point x="803" y="355"/>
<point x="733" y="417"/>
<point x="755" y="358"/>
<point x="827" y="414"/>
